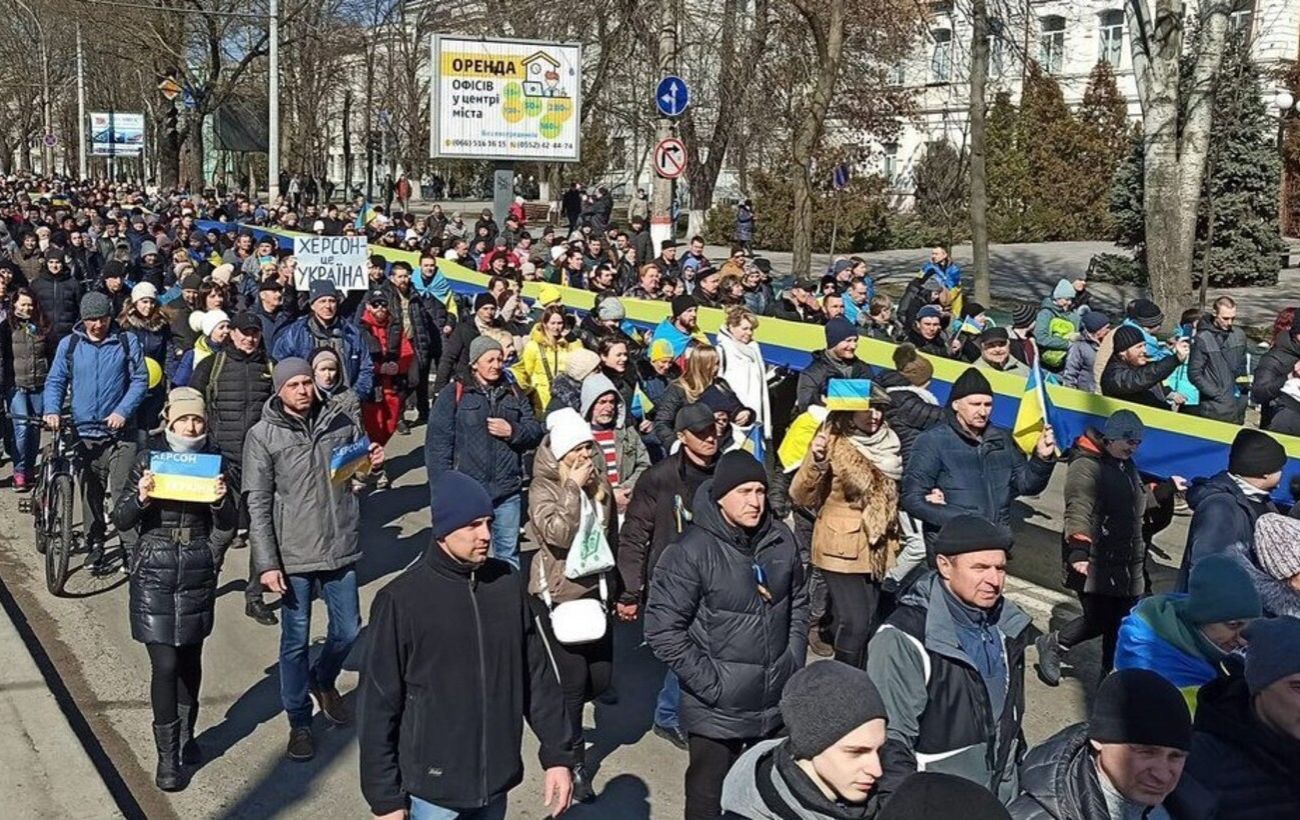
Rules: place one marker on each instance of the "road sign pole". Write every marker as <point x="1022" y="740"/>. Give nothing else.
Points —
<point x="82" y="170"/>
<point x="661" y="199"/>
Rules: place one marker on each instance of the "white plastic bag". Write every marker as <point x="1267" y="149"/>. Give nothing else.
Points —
<point x="589" y="553"/>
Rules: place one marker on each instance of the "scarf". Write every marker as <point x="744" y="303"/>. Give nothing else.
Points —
<point x="882" y="449"/>
<point x="438" y="287"/>
<point x="185" y="444"/>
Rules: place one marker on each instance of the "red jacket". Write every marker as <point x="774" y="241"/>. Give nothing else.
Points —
<point x="388" y="345"/>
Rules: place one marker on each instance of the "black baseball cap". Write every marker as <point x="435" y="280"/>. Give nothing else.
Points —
<point x="693" y="417"/>
<point x="246" y="322"/>
<point x="377" y="297"/>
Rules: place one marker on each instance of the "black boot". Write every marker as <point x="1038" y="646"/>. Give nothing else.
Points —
<point x="582" y="791"/>
<point x="191" y="755"/>
<point x="167" y="740"/>
<point x="1049" y="659"/>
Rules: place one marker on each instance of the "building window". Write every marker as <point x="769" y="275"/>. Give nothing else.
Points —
<point x="897" y="75"/>
<point x="890" y="163"/>
<point x="941" y="58"/>
<point x="1242" y="17"/>
<point x="1110" y="47"/>
<point x="1051" y="43"/>
<point x="997" y="48"/>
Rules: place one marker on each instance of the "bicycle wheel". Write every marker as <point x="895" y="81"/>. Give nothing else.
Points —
<point x="59" y="546"/>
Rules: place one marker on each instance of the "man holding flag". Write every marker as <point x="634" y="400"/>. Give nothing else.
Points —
<point x="969" y="466"/>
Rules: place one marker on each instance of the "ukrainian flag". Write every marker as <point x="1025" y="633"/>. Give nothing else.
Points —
<point x="364" y="215"/>
<point x="753" y="443"/>
<point x="848" y="394"/>
<point x="1035" y="411"/>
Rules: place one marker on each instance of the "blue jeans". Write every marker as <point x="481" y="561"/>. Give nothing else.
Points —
<point x="338" y="588"/>
<point x="505" y="530"/>
<point x="25" y="404"/>
<point x="669" y="702"/>
<point x="424" y="810"/>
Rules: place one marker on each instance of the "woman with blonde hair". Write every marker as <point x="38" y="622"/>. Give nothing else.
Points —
<point x="570" y="496"/>
<point x="543" y="357"/>
<point x="700" y="373"/>
<point x="743" y="368"/>
<point x="850" y="477"/>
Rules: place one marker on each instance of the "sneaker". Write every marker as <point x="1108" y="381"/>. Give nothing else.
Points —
<point x="381" y="480"/>
<point x="96" y="563"/>
<point x="673" y="735"/>
<point x="301" y="745"/>
<point x="20" y="482"/>
<point x="403" y="428"/>
<point x="1048" y="665"/>
<point x="331" y="703"/>
<point x="260" y="612"/>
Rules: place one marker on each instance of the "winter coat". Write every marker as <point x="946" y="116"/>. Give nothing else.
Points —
<point x="1272" y="371"/>
<point x="26" y="355"/>
<point x="175" y="563"/>
<point x="1052" y="330"/>
<point x="305" y="336"/>
<point x="732" y="648"/>
<point x="911" y="410"/>
<point x="744" y="224"/>
<point x="789" y="311"/>
<point x="105" y="378"/>
<point x="457" y="438"/>
<point x="1140" y="385"/>
<point x="940" y="716"/>
<point x="387" y="345"/>
<point x="632" y="457"/>
<point x="674" y="398"/>
<point x="1104" y="506"/>
<point x="765" y="783"/>
<point x="937" y="347"/>
<point x="539" y="363"/>
<point x="1222" y="515"/>
<point x="811" y="386"/>
<point x="273" y="324"/>
<point x="1252" y="770"/>
<point x="1059" y="781"/>
<point x="1079" y="363"/>
<point x="554" y="512"/>
<point x="444" y="633"/>
<point x="454" y="362"/>
<point x="1156" y="636"/>
<point x="657" y="514"/>
<point x="566" y="391"/>
<point x="1217" y="360"/>
<point x="300" y="521"/>
<point x="236" y="386"/>
<point x="60" y="301"/>
<point x="981" y="476"/>
<point x="857" y="527"/>
<point x="1285" y="409"/>
<point x="745" y="372"/>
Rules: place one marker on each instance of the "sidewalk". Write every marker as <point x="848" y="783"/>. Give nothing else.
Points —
<point x="44" y="770"/>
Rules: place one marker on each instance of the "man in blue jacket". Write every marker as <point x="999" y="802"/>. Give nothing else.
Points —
<point x="968" y="466"/>
<point x="102" y="376"/>
<point x="322" y="327"/>
<point x="482" y="425"/>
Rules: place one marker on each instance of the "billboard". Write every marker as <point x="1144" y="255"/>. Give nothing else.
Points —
<point x="505" y="99"/>
<point x="116" y="134"/>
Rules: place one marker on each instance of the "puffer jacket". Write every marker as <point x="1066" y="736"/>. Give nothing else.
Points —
<point x="857" y="528"/>
<point x="1052" y="330"/>
<point x="1252" y="770"/>
<point x="457" y="438"/>
<point x="674" y="398"/>
<point x="766" y="783"/>
<point x="104" y="378"/>
<point x="980" y="476"/>
<point x="732" y="649"/>
<point x="554" y="511"/>
<point x="1222" y="515"/>
<point x="658" y="513"/>
<point x="235" y="396"/>
<point x="60" y="301"/>
<point x="26" y="352"/>
<point x="1272" y="371"/>
<point x="1059" y="781"/>
<point x="1217" y="360"/>
<point x="911" y="410"/>
<point x="1104" y="506"/>
<point x="299" y="520"/>
<point x="175" y="564"/>
<point x="824" y="367"/>
<point x="539" y="363"/>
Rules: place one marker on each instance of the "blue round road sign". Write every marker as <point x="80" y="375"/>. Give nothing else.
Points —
<point x="672" y="96"/>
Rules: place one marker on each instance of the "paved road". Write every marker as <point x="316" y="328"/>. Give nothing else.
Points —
<point x="243" y="731"/>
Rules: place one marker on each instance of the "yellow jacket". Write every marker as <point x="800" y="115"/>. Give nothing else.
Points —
<point x="539" y="364"/>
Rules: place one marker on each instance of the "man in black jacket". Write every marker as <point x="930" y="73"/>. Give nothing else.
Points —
<point x="660" y="509"/>
<point x="454" y="665"/>
<point x="455" y="354"/>
<point x="1216" y="363"/>
<point x="235" y="383"/>
<point x="1272" y="371"/>
<point x="728" y="613"/>
<point x="59" y="293"/>
<point x="1130" y="375"/>
<point x="838" y="361"/>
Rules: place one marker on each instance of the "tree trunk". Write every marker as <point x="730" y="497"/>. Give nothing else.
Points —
<point x="802" y="217"/>
<point x="169" y="149"/>
<point x="979" y="226"/>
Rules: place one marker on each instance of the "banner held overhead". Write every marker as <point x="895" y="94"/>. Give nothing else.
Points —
<point x="511" y="100"/>
<point x="341" y="259"/>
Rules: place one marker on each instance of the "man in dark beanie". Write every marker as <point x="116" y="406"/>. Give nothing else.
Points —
<point x="1125" y="762"/>
<point x="936" y="796"/>
<point x="455" y="353"/>
<point x="1246" y="739"/>
<point x="1226" y="505"/>
<point x="728" y="613"/>
<point x="950" y="664"/>
<point x="682" y="327"/>
<point x="1131" y="374"/>
<point x="323" y="326"/>
<point x="838" y="361"/>
<point x="969" y="466"/>
<point x="453" y="629"/>
<point x="827" y="766"/>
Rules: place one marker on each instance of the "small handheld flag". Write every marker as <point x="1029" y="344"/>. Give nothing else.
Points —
<point x="848" y="394"/>
<point x="1035" y="412"/>
<point x="347" y="460"/>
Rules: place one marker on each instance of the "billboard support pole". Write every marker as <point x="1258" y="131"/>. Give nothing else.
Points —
<point x="82" y="170"/>
<point x="503" y="191"/>
<point x="273" y="105"/>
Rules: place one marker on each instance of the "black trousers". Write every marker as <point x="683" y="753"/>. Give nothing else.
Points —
<point x="710" y="760"/>
<point x="855" y="602"/>
<point x="419" y="374"/>
<point x="1101" y="617"/>
<point x="585" y="669"/>
<point x="176" y="672"/>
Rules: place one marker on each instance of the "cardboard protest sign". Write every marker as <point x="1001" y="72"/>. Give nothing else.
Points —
<point x="341" y="259"/>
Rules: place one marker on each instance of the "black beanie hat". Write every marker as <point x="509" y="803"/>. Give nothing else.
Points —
<point x="970" y="533"/>
<point x="682" y="303"/>
<point x="1146" y="313"/>
<point x="939" y="796"/>
<point x="1139" y="706"/>
<point x="483" y="300"/>
<point x="735" y="468"/>
<point x="970" y="383"/>
<point x="1023" y="314"/>
<point x="1126" y="336"/>
<point x="823" y="702"/>
<point x="1255" y="454"/>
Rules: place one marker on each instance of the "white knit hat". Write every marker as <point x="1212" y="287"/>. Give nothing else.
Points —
<point x="568" y="430"/>
<point x="144" y="290"/>
<point x="211" y="319"/>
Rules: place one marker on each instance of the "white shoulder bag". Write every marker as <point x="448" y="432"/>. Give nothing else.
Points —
<point x="574" y="622"/>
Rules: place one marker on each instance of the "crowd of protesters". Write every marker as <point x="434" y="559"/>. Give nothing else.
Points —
<point x="585" y="470"/>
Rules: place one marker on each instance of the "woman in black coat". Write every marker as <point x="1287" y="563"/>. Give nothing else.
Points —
<point x="174" y="573"/>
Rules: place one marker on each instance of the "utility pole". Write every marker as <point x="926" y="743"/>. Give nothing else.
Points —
<point x="81" y="109"/>
<point x="273" y="106"/>
<point x="661" y="197"/>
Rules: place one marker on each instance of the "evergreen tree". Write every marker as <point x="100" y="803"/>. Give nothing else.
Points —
<point x="1049" y="139"/>
<point x="1102" y="133"/>
<point x="940" y="182"/>
<point x="1008" y="172"/>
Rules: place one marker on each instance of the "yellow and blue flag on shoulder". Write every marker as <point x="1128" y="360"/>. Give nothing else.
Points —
<point x="1035" y="412"/>
<point x="753" y="443"/>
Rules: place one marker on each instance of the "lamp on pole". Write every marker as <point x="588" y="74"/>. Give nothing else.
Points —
<point x="1286" y="109"/>
<point x="273" y="104"/>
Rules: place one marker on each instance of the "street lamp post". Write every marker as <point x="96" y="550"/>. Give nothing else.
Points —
<point x="273" y="105"/>
<point x="1286" y="109"/>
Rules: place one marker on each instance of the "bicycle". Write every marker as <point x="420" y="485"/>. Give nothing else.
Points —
<point x="52" y="501"/>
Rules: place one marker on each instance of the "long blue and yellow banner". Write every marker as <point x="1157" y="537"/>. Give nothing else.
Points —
<point x="1175" y="443"/>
